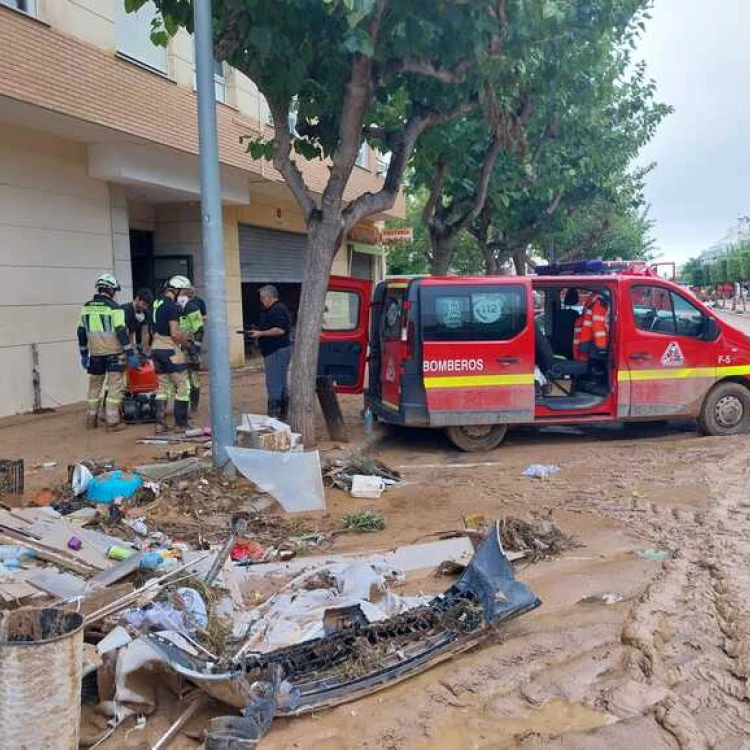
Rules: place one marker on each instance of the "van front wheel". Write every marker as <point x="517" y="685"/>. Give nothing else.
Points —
<point x="726" y="410"/>
<point x="477" y="438"/>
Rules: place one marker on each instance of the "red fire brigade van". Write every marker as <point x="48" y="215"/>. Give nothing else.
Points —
<point x="474" y="355"/>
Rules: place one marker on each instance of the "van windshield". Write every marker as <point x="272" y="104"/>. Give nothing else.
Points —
<point x="473" y="313"/>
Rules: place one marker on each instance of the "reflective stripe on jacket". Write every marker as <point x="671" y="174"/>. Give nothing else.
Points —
<point x="101" y="328"/>
<point x="591" y="330"/>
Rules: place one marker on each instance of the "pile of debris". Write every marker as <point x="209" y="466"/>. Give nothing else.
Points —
<point x="360" y="476"/>
<point x="534" y="540"/>
<point x="176" y="570"/>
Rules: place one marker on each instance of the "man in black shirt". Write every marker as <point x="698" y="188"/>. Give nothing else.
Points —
<point x="274" y="340"/>
<point x="137" y="320"/>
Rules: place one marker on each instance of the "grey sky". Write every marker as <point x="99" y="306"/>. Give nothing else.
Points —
<point x="699" y="54"/>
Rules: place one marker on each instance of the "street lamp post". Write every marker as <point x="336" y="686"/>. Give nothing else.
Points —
<point x="222" y="427"/>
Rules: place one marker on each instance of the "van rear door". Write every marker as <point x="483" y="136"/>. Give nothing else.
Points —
<point x="343" y="338"/>
<point x="477" y="350"/>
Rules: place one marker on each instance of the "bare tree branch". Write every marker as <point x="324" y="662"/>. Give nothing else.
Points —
<point x="373" y="203"/>
<point x="282" y="160"/>
<point x="483" y="186"/>
<point x="496" y="46"/>
<point x="429" y="69"/>
<point x="356" y="101"/>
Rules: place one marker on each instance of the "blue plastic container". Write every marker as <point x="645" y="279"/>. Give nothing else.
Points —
<point x="106" y="488"/>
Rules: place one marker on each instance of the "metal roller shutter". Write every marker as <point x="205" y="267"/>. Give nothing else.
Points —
<point x="267" y="255"/>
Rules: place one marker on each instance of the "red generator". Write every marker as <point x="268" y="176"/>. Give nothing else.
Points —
<point x="139" y="400"/>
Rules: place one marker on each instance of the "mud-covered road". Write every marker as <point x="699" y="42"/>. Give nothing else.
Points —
<point x="657" y="655"/>
<point x="666" y="666"/>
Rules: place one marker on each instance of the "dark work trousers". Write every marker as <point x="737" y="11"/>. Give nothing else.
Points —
<point x="277" y="373"/>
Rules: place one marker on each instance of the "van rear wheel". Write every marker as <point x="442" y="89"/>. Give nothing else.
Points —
<point x="476" y="438"/>
<point x="726" y="410"/>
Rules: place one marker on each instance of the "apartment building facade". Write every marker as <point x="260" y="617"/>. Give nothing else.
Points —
<point x="99" y="172"/>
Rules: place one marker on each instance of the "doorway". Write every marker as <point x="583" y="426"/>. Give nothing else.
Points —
<point x="142" y="258"/>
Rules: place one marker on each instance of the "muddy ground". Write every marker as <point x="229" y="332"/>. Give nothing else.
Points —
<point x="665" y="665"/>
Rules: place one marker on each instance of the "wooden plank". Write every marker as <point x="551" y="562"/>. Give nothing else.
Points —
<point x="117" y="572"/>
<point x="55" y="533"/>
<point x="329" y="405"/>
<point x="9" y="521"/>
<point x="61" y="585"/>
<point x="13" y="592"/>
<point x="44" y="552"/>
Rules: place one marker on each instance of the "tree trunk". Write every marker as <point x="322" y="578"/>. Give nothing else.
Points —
<point x="491" y="265"/>
<point x="519" y="261"/>
<point x="442" y="253"/>
<point x="322" y="243"/>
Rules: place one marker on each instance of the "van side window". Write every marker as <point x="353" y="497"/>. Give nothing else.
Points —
<point x="341" y="311"/>
<point x="473" y="313"/>
<point x="392" y="308"/>
<point x="688" y="318"/>
<point x="658" y="310"/>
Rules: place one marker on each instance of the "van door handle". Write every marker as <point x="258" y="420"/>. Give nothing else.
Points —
<point x="640" y="356"/>
<point x="508" y="360"/>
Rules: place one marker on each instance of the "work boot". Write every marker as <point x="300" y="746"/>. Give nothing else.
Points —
<point x="161" y="425"/>
<point x="92" y="420"/>
<point x="195" y="398"/>
<point x="181" y="420"/>
<point x="284" y="408"/>
<point x="113" y="421"/>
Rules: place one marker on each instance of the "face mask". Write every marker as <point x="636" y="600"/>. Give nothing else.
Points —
<point x="140" y="317"/>
<point x="182" y="300"/>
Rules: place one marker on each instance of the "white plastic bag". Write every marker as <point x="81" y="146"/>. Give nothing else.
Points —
<point x="294" y="478"/>
<point x="81" y="479"/>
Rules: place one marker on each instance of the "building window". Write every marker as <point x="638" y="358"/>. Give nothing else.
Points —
<point x="383" y="161"/>
<point x="220" y="82"/>
<point x="363" y="157"/>
<point x="133" y="32"/>
<point x="25" y="6"/>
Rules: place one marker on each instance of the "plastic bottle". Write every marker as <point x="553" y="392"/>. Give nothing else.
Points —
<point x="369" y="421"/>
<point x="10" y="552"/>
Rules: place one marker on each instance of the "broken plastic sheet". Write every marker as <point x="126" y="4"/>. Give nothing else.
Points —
<point x="488" y="580"/>
<point x="294" y="479"/>
<point x="297" y="613"/>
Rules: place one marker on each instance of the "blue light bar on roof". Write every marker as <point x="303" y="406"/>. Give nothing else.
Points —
<point x="593" y="267"/>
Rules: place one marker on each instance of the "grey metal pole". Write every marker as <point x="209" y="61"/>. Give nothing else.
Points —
<point x="222" y="427"/>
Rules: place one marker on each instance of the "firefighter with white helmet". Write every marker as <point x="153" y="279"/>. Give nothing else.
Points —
<point x="170" y="362"/>
<point x="104" y="347"/>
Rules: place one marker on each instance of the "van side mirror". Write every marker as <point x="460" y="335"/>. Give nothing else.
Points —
<point x="711" y="329"/>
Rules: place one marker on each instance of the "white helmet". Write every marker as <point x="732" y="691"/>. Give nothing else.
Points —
<point x="108" y="281"/>
<point x="179" y="282"/>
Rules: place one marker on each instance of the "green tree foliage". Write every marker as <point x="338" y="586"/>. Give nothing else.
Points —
<point x="413" y="258"/>
<point x="379" y="70"/>
<point x="613" y="224"/>
<point x="572" y="124"/>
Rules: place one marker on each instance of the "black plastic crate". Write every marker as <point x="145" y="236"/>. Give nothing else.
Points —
<point x="11" y="476"/>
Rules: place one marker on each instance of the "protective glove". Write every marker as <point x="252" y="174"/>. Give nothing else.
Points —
<point x="133" y="361"/>
<point x="85" y="360"/>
